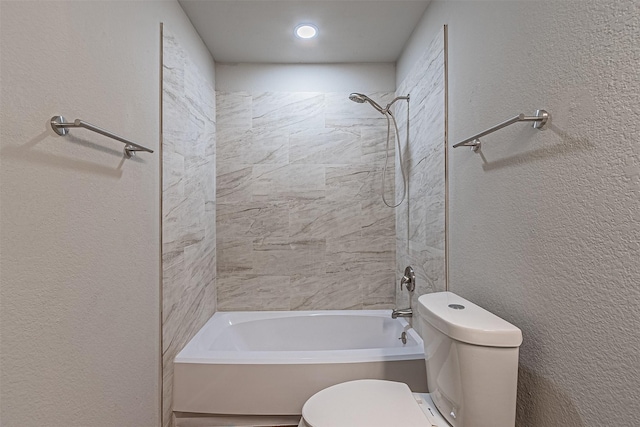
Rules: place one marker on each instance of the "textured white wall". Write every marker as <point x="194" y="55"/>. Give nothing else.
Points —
<point x="545" y="225"/>
<point x="80" y="227"/>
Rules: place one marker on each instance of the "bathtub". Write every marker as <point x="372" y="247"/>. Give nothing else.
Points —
<point x="269" y="363"/>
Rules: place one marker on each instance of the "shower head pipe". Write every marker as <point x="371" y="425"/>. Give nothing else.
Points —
<point x="361" y="98"/>
<point x="397" y="98"/>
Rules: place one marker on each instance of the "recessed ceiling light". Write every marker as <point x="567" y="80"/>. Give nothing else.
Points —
<point x="306" y="31"/>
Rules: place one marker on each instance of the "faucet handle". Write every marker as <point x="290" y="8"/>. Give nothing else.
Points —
<point x="409" y="279"/>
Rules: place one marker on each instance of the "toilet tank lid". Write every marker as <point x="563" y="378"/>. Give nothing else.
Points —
<point x="464" y="321"/>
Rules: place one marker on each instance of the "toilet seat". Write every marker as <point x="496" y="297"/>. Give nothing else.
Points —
<point x="368" y="403"/>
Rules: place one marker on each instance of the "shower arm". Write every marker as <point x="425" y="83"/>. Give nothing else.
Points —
<point x="397" y="98"/>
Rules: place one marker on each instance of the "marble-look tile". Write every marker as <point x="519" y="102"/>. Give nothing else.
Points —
<point x="234" y="183"/>
<point x="189" y="261"/>
<point x="181" y="225"/>
<point x="288" y="110"/>
<point x="430" y="264"/>
<point x="200" y="261"/>
<point x="332" y="291"/>
<point x="357" y="254"/>
<point x="324" y="219"/>
<point x="269" y="147"/>
<point x="287" y="182"/>
<point x="420" y="222"/>
<point x="431" y="138"/>
<point x="174" y="115"/>
<point x="210" y="181"/>
<point x="234" y="110"/>
<point x="380" y="294"/>
<point x="284" y="256"/>
<point x="402" y="221"/>
<point x="210" y="136"/>
<point x="378" y="303"/>
<point x="427" y="226"/>
<point x="377" y="219"/>
<point x="173" y="279"/>
<point x="253" y="220"/>
<point x="253" y="146"/>
<point x="375" y="186"/>
<point x="252" y="292"/>
<point x="327" y="146"/>
<point x="197" y="169"/>
<point x="352" y="182"/>
<point x="301" y="207"/>
<point x="379" y="277"/>
<point x="173" y="62"/>
<point x="199" y="313"/>
<point x="374" y="145"/>
<point x="235" y="255"/>
<point x="270" y="182"/>
<point x="176" y="325"/>
<point x="172" y="174"/>
<point x="191" y="130"/>
<point x="429" y="173"/>
<point x="182" y="323"/>
<point x="306" y="181"/>
<point x="199" y="93"/>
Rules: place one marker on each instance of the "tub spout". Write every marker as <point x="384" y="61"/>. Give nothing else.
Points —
<point x="404" y="312"/>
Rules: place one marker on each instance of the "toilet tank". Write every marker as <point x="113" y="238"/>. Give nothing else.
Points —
<point x="472" y="361"/>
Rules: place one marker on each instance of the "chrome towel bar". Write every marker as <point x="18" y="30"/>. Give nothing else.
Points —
<point x="61" y="127"/>
<point x="540" y="122"/>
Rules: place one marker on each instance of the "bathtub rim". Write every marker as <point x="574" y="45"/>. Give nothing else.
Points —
<point x="190" y="354"/>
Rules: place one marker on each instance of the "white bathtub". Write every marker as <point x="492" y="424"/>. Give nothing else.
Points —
<point x="270" y="363"/>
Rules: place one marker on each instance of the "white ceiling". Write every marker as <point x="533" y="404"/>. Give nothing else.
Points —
<point x="237" y="31"/>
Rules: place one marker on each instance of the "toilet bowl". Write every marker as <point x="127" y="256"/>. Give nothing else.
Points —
<point x="472" y="369"/>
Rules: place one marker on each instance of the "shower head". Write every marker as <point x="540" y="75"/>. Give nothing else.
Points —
<point x="358" y="97"/>
<point x="361" y="99"/>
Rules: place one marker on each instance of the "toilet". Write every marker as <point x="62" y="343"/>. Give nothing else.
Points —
<point x="472" y="374"/>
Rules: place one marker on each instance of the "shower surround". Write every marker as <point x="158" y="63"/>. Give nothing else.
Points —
<point x="271" y="200"/>
<point x="188" y="206"/>
<point x="300" y="221"/>
<point x="420" y="222"/>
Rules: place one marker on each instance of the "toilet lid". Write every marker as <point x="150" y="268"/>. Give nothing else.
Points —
<point x="364" y="403"/>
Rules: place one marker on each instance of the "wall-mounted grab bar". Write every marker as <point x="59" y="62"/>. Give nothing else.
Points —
<point x="540" y="122"/>
<point x="61" y="127"/>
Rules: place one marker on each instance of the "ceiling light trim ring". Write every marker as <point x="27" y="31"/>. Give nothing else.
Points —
<point x="306" y="31"/>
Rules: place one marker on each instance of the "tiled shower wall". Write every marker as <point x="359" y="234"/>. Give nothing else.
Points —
<point x="300" y="222"/>
<point x="188" y="206"/>
<point x="420" y="220"/>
